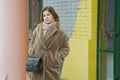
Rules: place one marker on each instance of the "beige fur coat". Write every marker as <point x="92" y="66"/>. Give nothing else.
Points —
<point x="53" y="48"/>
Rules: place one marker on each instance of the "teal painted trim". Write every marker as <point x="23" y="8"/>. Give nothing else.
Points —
<point x="40" y="3"/>
<point x="98" y="24"/>
<point x="105" y="50"/>
<point x="117" y="40"/>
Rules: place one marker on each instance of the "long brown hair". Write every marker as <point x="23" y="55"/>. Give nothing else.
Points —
<point x="52" y="11"/>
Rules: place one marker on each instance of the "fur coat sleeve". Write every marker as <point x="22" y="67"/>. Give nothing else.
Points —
<point x="63" y="46"/>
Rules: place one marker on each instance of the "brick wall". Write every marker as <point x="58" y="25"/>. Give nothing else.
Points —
<point x="67" y="11"/>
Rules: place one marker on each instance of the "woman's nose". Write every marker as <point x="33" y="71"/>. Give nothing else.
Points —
<point x="46" y="17"/>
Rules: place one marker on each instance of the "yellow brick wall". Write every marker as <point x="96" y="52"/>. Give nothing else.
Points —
<point x="82" y="28"/>
<point x="76" y="65"/>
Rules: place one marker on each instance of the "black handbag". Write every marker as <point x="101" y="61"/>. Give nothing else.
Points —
<point x="34" y="64"/>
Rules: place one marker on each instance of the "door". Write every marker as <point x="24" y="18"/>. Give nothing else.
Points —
<point x="35" y="7"/>
<point x="108" y="44"/>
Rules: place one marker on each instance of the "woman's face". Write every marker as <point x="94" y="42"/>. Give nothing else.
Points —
<point x="47" y="17"/>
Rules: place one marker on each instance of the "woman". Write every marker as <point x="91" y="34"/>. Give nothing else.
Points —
<point x="50" y="42"/>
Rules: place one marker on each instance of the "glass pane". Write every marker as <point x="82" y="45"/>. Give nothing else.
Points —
<point x="106" y="41"/>
<point x="106" y="66"/>
<point x="109" y="24"/>
<point x="106" y="36"/>
<point x="110" y="66"/>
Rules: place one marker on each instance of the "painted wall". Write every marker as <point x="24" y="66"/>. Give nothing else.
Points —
<point x="13" y="39"/>
<point x="76" y="64"/>
<point x="79" y="19"/>
<point x="92" y="56"/>
<point x="67" y="11"/>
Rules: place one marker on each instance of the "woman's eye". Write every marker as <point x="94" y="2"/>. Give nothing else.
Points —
<point x="48" y="14"/>
<point x="43" y="15"/>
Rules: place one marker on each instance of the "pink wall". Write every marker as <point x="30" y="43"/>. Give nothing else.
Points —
<point x="13" y="38"/>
